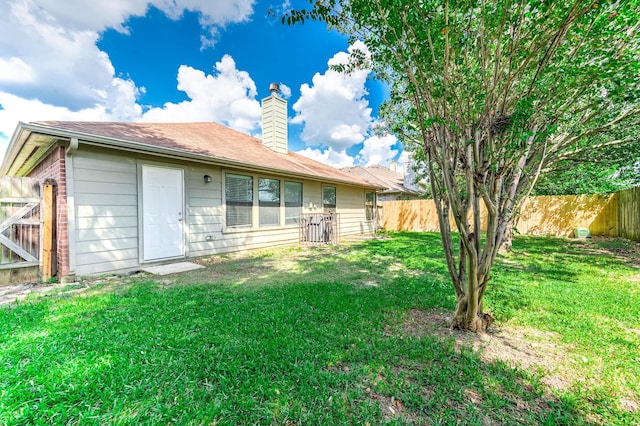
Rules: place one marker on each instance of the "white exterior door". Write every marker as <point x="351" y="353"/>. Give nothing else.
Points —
<point x="162" y="204"/>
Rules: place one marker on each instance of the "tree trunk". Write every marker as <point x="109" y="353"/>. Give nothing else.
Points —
<point x="473" y="268"/>
<point x="507" y="241"/>
<point x="462" y="320"/>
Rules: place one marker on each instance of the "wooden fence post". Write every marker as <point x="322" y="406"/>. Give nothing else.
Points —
<point x="47" y="230"/>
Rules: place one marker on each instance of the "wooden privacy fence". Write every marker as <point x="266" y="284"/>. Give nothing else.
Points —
<point x="629" y="213"/>
<point x="543" y="215"/>
<point x="19" y="229"/>
<point x="560" y="215"/>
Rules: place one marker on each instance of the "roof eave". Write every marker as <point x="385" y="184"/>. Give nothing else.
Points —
<point x="13" y="148"/>
<point x="26" y="149"/>
<point x="123" y="144"/>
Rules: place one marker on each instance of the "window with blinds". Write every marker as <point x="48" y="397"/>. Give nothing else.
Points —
<point x="269" y="201"/>
<point x="292" y="202"/>
<point x="369" y="205"/>
<point x="239" y="199"/>
<point x="329" y="199"/>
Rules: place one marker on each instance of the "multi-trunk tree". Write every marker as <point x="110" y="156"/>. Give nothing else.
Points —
<point x="488" y="94"/>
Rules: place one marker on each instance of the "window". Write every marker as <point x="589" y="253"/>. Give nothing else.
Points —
<point x="239" y="199"/>
<point x="329" y="199"/>
<point x="369" y="205"/>
<point x="292" y="202"/>
<point x="269" y="201"/>
<point x="269" y="204"/>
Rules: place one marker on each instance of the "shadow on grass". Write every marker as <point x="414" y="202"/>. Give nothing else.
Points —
<point x="290" y="337"/>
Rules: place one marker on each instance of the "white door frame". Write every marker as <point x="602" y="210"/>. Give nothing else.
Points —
<point x="172" y="221"/>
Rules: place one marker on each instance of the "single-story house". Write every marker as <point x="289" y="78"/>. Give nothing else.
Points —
<point x="133" y="194"/>
<point x="393" y="184"/>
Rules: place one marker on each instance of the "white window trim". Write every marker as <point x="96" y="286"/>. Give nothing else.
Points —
<point x="373" y="219"/>
<point x="255" y="219"/>
<point x="335" y="187"/>
<point x="284" y="201"/>
<point x="237" y="228"/>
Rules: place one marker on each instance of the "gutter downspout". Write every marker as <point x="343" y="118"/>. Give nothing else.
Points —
<point x="71" y="205"/>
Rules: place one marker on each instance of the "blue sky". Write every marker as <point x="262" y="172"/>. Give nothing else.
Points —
<point x="186" y="60"/>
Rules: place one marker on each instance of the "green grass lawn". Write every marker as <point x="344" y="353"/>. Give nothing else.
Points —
<point x="325" y="336"/>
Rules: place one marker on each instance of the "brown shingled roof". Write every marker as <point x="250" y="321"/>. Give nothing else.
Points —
<point x="207" y="139"/>
<point x="382" y="177"/>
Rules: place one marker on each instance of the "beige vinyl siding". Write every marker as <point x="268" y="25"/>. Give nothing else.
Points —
<point x="207" y="218"/>
<point x="94" y="234"/>
<point x="106" y="209"/>
<point x="239" y="241"/>
<point x="350" y="206"/>
<point x="106" y="212"/>
<point x="204" y="210"/>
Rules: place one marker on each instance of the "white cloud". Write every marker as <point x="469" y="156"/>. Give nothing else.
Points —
<point x="15" y="70"/>
<point x="285" y="91"/>
<point x="378" y="150"/>
<point x="212" y="13"/>
<point x="45" y="41"/>
<point x="335" y="114"/>
<point x="118" y="105"/>
<point x="96" y="16"/>
<point x="120" y="99"/>
<point x="226" y="96"/>
<point x="328" y="156"/>
<point x="51" y="67"/>
<point x="15" y="109"/>
<point x="66" y="67"/>
<point x="334" y="109"/>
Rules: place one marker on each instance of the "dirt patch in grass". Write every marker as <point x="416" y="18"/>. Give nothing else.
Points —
<point x="393" y="408"/>
<point x="521" y="347"/>
<point x="527" y="348"/>
<point x="14" y="293"/>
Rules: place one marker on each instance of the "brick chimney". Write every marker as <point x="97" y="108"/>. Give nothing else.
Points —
<point x="274" y="121"/>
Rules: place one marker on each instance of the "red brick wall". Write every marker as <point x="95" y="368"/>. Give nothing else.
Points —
<point x="53" y="167"/>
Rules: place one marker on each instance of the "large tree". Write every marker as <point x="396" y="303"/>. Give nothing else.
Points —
<point x="488" y="94"/>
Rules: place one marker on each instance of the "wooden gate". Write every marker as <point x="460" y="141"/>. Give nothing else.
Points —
<point x="19" y="229"/>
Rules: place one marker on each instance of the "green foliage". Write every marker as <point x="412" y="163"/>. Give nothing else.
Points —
<point x="608" y="170"/>
<point x="563" y="73"/>
<point x="490" y="95"/>
<point x="320" y="337"/>
<point x="597" y="177"/>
